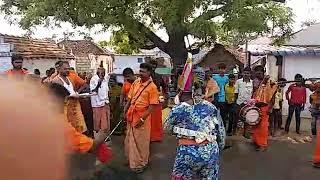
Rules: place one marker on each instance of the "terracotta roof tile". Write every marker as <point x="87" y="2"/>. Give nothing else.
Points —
<point x="36" y="48"/>
<point x="83" y="47"/>
<point x="237" y="54"/>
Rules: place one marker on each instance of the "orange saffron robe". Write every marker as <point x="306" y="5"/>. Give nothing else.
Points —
<point x="316" y="158"/>
<point x="72" y="105"/>
<point x="156" y="124"/>
<point x="14" y="74"/>
<point x="264" y="94"/>
<point x="126" y="88"/>
<point x="137" y="140"/>
<point x="76" y="80"/>
<point x="77" y="142"/>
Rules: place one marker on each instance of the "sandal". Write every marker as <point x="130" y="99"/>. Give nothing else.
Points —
<point x="139" y="170"/>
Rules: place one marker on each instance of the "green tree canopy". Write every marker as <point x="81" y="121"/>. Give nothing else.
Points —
<point x="137" y="20"/>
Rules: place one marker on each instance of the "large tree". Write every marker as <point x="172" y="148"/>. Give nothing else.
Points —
<point x="138" y="20"/>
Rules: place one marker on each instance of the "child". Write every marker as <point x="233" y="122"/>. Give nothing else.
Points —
<point x="276" y="117"/>
<point x="220" y="98"/>
<point x="230" y="104"/>
<point x="297" y="101"/>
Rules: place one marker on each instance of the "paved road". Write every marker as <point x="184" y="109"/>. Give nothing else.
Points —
<point x="282" y="161"/>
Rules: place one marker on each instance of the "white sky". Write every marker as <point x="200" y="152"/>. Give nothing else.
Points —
<point x="303" y="10"/>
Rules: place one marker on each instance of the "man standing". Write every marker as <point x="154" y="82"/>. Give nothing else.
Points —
<point x="129" y="78"/>
<point x="73" y="107"/>
<point x="156" y="116"/>
<point x="243" y="90"/>
<point x="230" y="105"/>
<point x="211" y="87"/>
<point x="37" y="72"/>
<point x="100" y="102"/>
<point x="115" y="110"/>
<point x="143" y="97"/>
<point x="296" y="96"/>
<point x="222" y="80"/>
<point x="17" y="72"/>
<point x="53" y="72"/>
<point x="263" y="95"/>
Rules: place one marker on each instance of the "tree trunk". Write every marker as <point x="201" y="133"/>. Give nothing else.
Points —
<point x="179" y="57"/>
<point x="177" y="50"/>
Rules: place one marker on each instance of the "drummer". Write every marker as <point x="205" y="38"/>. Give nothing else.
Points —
<point x="243" y="90"/>
<point x="263" y="95"/>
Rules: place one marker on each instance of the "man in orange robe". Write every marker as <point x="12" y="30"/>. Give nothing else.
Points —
<point x="72" y="82"/>
<point x="143" y="97"/>
<point x="16" y="72"/>
<point x="129" y="78"/>
<point x="263" y="95"/>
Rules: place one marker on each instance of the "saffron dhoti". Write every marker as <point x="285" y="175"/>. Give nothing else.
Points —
<point x="156" y="124"/>
<point x="261" y="131"/>
<point x="316" y="158"/>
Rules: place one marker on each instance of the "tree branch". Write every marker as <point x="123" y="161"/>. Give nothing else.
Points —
<point x="221" y="10"/>
<point x="211" y="14"/>
<point x="145" y="31"/>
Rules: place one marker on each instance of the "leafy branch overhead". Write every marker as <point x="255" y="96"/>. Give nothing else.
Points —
<point x="138" y="20"/>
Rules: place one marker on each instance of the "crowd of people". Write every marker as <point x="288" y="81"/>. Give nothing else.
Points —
<point x="95" y="105"/>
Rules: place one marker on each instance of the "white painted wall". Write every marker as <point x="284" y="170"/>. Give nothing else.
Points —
<point x="272" y="68"/>
<point x="95" y="62"/>
<point x="5" y="59"/>
<point x="307" y="66"/>
<point x="41" y="64"/>
<point x="121" y="62"/>
<point x="124" y="61"/>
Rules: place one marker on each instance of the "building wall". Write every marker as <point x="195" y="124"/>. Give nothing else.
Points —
<point x="107" y="63"/>
<point x="5" y="59"/>
<point x="272" y="68"/>
<point x="91" y="62"/>
<point x="220" y="55"/>
<point x="122" y="62"/>
<point x="307" y="66"/>
<point x="41" y="64"/>
<point x="83" y="64"/>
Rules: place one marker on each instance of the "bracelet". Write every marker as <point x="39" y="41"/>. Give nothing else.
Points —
<point x="142" y="120"/>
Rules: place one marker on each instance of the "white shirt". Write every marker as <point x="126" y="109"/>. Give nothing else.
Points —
<point x="69" y="86"/>
<point x="101" y="99"/>
<point x="244" y="90"/>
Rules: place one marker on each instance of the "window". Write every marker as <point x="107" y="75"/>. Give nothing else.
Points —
<point x="140" y="60"/>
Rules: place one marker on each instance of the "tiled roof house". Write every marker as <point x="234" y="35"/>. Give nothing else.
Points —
<point x="37" y="54"/>
<point x="88" y="55"/>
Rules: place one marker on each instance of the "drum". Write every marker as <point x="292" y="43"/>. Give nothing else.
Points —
<point x="250" y="114"/>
